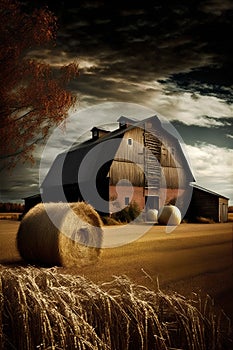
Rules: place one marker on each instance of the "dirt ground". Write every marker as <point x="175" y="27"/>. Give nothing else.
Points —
<point x="194" y="258"/>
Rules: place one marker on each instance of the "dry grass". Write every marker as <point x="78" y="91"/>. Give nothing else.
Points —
<point x="203" y="220"/>
<point x="44" y="309"/>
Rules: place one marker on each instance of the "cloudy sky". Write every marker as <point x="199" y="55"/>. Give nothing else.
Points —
<point x="173" y="58"/>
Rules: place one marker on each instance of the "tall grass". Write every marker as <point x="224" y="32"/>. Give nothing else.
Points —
<point x="44" y="309"/>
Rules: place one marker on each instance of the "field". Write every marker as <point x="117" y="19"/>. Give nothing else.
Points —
<point x="195" y="258"/>
<point x="10" y="216"/>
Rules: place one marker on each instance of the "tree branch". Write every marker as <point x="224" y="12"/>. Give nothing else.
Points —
<point x="22" y="150"/>
<point x="17" y="119"/>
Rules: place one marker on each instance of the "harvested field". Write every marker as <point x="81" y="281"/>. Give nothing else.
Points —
<point x="44" y="309"/>
<point x="195" y="258"/>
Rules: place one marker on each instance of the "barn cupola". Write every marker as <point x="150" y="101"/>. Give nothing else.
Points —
<point x="124" y="122"/>
<point x="97" y="133"/>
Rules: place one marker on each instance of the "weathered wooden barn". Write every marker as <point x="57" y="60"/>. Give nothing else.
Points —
<point x="207" y="204"/>
<point x="142" y="153"/>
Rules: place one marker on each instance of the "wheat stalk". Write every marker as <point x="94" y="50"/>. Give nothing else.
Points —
<point x="46" y="309"/>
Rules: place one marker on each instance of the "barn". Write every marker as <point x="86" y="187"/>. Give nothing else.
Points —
<point x="140" y="162"/>
<point x="207" y="204"/>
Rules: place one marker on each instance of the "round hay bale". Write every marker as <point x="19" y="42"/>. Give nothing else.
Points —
<point x="169" y="215"/>
<point x="152" y="215"/>
<point x="76" y="239"/>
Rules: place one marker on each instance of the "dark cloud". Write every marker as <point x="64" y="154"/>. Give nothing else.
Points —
<point x="167" y="55"/>
<point x="144" y="38"/>
<point x="218" y="135"/>
<point x="212" y="81"/>
<point x="187" y="43"/>
<point x="19" y="183"/>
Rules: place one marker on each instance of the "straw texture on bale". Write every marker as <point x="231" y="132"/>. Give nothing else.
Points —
<point x="44" y="309"/>
<point x="152" y="215"/>
<point x="75" y="240"/>
<point x="169" y="215"/>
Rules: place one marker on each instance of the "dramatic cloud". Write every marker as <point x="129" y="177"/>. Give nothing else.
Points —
<point x="218" y="135"/>
<point x="19" y="183"/>
<point x="212" y="167"/>
<point x="173" y="57"/>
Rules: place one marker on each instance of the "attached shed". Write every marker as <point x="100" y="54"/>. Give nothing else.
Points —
<point x="31" y="201"/>
<point x="207" y="204"/>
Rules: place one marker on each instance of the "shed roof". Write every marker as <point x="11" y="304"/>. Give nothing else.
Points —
<point x="200" y="188"/>
<point x="32" y="196"/>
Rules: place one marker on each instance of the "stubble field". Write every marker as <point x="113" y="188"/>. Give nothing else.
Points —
<point x="192" y="262"/>
<point x="193" y="258"/>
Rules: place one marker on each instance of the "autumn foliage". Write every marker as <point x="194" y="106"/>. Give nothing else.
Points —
<point x="33" y="95"/>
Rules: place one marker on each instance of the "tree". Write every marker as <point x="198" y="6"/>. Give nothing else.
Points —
<point x="33" y="95"/>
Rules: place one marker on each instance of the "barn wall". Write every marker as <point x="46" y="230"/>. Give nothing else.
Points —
<point x="172" y="196"/>
<point x="30" y="202"/>
<point x="204" y="204"/>
<point x="126" y="170"/>
<point x="173" y="178"/>
<point x="131" y="152"/>
<point x="74" y="194"/>
<point x="124" y="192"/>
<point x="128" y="162"/>
<point x="156" y="166"/>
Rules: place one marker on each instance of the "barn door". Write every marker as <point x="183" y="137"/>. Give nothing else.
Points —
<point x="223" y="211"/>
<point x="152" y="202"/>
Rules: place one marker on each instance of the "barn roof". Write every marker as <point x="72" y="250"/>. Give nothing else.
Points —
<point x="67" y="164"/>
<point x="200" y="188"/>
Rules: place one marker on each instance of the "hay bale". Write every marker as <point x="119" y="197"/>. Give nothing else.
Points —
<point x="169" y="215"/>
<point x="76" y="241"/>
<point x="152" y="215"/>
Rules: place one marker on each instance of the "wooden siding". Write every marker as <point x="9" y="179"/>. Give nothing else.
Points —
<point x="204" y="204"/>
<point x="170" y="154"/>
<point x="159" y="159"/>
<point x="223" y="209"/>
<point x="133" y="152"/>
<point x="126" y="170"/>
<point x="173" y="178"/>
<point x="128" y="162"/>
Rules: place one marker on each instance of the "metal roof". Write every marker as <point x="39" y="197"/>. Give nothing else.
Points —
<point x="208" y="191"/>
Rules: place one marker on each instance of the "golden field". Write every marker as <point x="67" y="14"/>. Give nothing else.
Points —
<point x="131" y="286"/>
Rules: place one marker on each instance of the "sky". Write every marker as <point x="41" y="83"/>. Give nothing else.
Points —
<point x="170" y="58"/>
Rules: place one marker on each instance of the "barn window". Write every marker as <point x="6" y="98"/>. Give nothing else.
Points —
<point x="126" y="200"/>
<point x="95" y="133"/>
<point x="122" y="125"/>
<point x="130" y="142"/>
